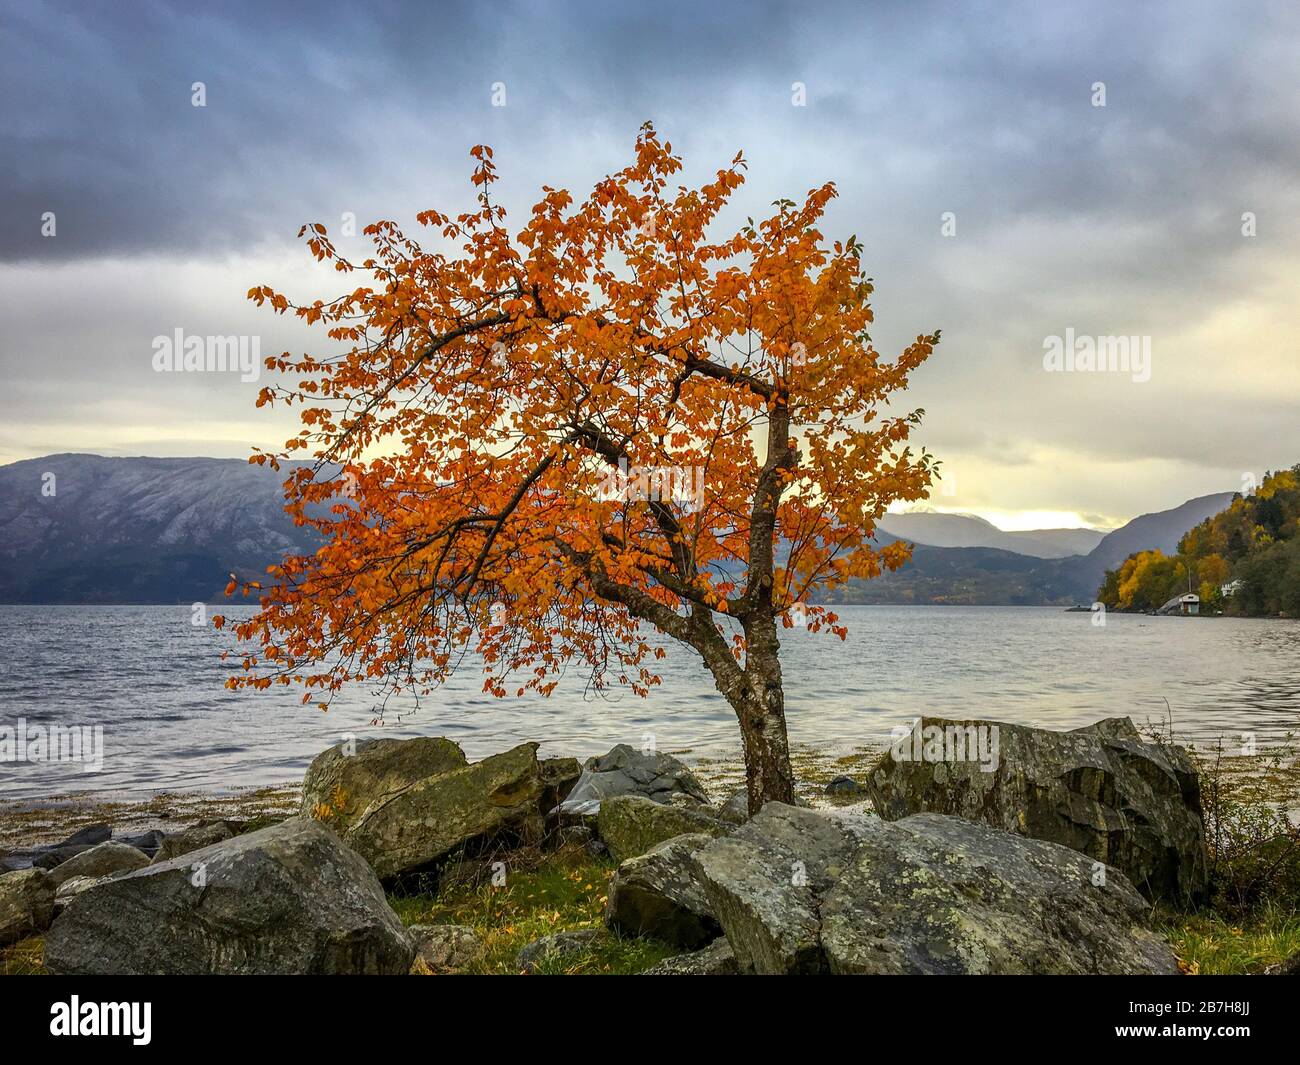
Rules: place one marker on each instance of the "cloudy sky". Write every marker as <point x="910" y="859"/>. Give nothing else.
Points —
<point x="996" y="199"/>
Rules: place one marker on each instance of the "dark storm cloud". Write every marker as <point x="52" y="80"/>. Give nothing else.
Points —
<point x="305" y="104"/>
<point x="982" y="106"/>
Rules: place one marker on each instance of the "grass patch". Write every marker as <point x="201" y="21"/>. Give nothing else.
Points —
<point x="561" y="892"/>
<point x="24" y="958"/>
<point x="1212" y="945"/>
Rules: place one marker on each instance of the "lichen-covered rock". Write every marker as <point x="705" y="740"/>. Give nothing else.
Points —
<point x="557" y="949"/>
<point x="627" y="771"/>
<point x="26" y="904"/>
<point x="1099" y="790"/>
<point x="937" y="894"/>
<point x="658" y="894"/>
<point x="714" y="960"/>
<point x="762" y="882"/>
<point x="289" y="899"/>
<point x="194" y="838"/>
<point x="632" y="824"/>
<point x="445" y="949"/>
<point x="104" y="859"/>
<point x="408" y="830"/>
<point x="802" y="891"/>
<point x="343" y="781"/>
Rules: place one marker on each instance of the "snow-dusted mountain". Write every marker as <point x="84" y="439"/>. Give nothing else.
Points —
<point x="89" y="529"/>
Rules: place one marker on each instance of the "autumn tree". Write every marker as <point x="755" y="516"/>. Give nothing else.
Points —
<point x="539" y="446"/>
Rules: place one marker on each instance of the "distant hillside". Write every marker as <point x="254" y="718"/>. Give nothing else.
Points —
<point x="992" y="577"/>
<point x="968" y="530"/>
<point x="1243" y="560"/>
<point x="138" y="530"/>
<point x="1160" y="531"/>
<point x="965" y="576"/>
<point x="147" y="530"/>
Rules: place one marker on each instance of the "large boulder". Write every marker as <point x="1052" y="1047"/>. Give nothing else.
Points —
<point x="631" y="824"/>
<point x="26" y="904"/>
<point x="412" y="828"/>
<point x="627" y="771"/>
<point x="343" y="781"/>
<point x="289" y="899"/>
<point x="1099" y="790"/>
<point x="103" y="859"/>
<point x="658" y="894"/>
<point x="804" y="891"/>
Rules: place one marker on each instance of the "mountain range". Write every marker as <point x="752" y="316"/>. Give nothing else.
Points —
<point x="89" y="529"/>
<point x="967" y="530"/>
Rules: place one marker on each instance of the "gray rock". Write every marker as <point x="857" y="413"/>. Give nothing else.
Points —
<point x="89" y="836"/>
<point x="658" y="894"/>
<point x="292" y="898"/>
<point x="340" y="786"/>
<point x="445" y="949"/>
<point x="26" y="904"/>
<point x="103" y="859"/>
<point x="559" y="775"/>
<point x="196" y="837"/>
<point x="762" y="883"/>
<point x="716" y="959"/>
<point x="839" y="892"/>
<point x="1100" y="790"/>
<point x="632" y="824"/>
<point x="149" y="842"/>
<point x="70" y="889"/>
<point x="556" y="948"/>
<point x="409" y="830"/>
<point x="51" y="855"/>
<point x="735" y="810"/>
<point x="626" y="771"/>
<point x="845" y="788"/>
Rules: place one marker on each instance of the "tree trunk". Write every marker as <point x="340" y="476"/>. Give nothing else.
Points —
<point x="760" y="708"/>
<point x="768" y="776"/>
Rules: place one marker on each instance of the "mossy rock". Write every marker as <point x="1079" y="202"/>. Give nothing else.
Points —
<point x="630" y="825"/>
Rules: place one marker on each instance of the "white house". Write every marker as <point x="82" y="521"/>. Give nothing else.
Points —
<point x="1187" y="604"/>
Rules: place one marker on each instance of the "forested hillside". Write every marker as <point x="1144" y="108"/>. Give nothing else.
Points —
<point x="1243" y="560"/>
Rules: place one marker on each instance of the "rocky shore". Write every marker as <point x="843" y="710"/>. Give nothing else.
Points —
<point x="1045" y="859"/>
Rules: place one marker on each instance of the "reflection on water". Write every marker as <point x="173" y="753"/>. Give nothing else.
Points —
<point x="155" y="683"/>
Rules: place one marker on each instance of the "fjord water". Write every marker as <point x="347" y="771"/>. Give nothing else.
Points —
<point x="154" y="682"/>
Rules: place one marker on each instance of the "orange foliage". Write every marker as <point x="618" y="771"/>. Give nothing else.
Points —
<point x="470" y="429"/>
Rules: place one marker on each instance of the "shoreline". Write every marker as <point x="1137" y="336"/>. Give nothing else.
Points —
<point x="40" y="820"/>
<point x="37" y="820"/>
